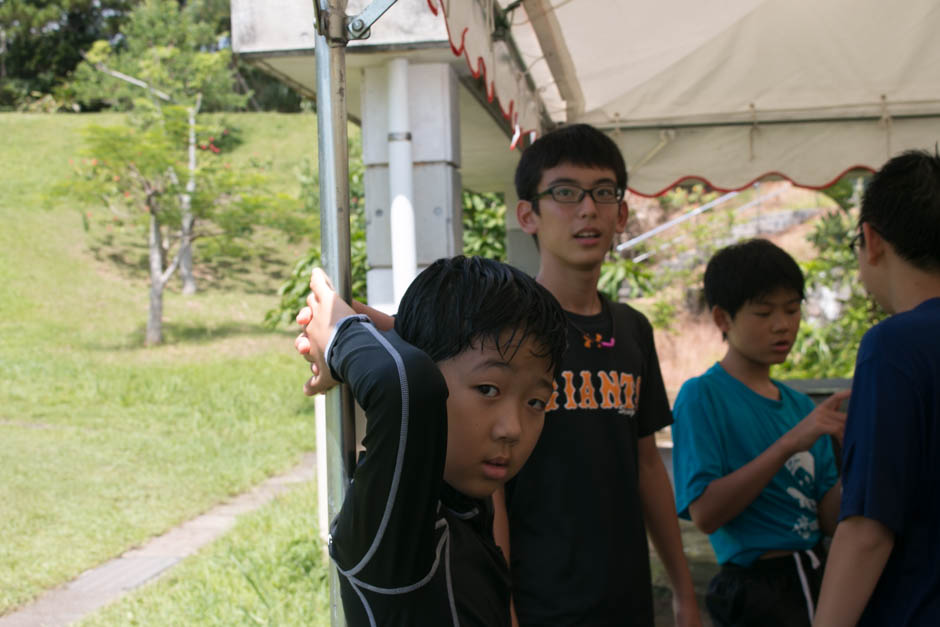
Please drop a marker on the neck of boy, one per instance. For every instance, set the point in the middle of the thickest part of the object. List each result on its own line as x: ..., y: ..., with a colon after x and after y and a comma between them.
x: 754, y: 375
x: 574, y: 289
x: 908, y: 287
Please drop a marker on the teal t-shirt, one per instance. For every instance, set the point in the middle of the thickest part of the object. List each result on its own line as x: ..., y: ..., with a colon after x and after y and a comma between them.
x: 721, y: 425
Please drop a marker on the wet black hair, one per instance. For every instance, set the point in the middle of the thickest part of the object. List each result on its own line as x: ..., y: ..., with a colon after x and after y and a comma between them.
x: 578, y: 144
x: 748, y: 271
x: 461, y: 302
x: 902, y: 203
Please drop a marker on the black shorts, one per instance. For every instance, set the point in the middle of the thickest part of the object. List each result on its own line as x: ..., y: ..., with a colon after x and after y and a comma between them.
x: 776, y: 592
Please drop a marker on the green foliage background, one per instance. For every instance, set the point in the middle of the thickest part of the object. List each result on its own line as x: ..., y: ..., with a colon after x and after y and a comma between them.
x: 827, y: 350
x: 484, y: 234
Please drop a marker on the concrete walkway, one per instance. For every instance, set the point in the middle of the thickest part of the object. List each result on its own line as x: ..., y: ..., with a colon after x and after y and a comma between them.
x: 105, y: 584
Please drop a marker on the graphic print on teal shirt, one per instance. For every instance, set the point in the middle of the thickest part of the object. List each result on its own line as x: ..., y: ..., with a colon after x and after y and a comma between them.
x: 721, y: 425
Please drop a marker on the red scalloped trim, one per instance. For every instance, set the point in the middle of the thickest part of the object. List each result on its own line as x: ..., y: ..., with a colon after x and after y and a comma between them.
x: 692, y: 177
x: 509, y: 113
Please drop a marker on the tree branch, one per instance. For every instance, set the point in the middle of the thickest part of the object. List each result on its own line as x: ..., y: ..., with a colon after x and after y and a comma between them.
x: 165, y: 277
x: 101, y: 67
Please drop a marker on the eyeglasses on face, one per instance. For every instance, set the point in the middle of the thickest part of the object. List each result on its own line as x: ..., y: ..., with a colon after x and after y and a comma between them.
x: 858, y: 238
x: 568, y: 194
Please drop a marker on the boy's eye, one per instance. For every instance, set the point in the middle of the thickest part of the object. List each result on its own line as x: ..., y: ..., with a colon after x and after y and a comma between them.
x: 538, y: 404
x: 488, y: 390
x: 607, y: 194
x: 563, y: 192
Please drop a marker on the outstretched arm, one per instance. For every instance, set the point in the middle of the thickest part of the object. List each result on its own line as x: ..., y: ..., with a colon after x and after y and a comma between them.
x: 659, y: 512
x: 730, y: 495
x: 384, y: 533
x: 859, y: 552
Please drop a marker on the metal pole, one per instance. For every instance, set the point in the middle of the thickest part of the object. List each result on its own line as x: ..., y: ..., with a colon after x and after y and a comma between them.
x: 330, y: 51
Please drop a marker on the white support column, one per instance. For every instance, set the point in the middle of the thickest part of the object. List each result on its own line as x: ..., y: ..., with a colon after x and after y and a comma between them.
x: 400, y: 189
x: 433, y: 118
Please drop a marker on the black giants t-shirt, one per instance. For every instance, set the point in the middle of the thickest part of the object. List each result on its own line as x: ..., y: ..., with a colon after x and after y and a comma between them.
x: 578, y: 543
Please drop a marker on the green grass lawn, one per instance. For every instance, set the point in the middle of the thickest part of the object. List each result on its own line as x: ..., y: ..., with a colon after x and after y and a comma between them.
x: 104, y: 443
x: 267, y: 571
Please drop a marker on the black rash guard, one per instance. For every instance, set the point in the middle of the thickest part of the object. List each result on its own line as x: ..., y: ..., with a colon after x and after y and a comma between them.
x: 410, y: 549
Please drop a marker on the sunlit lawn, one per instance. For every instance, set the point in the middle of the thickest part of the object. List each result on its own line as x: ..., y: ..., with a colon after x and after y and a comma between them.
x: 104, y: 443
x: 267, y: 571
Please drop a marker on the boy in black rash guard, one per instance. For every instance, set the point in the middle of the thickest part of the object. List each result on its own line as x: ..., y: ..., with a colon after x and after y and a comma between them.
x: 455, y: 399
x: 579, y: 512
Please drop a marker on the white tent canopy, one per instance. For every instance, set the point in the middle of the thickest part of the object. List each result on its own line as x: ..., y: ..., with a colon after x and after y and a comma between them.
x: 724, y: 92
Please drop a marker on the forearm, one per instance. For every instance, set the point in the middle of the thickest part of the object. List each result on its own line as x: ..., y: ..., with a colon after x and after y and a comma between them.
x: 828, y: 510
x: 397, y: 482
x: 659, y: 513
x: 730, y: 495
x: 859, y: 552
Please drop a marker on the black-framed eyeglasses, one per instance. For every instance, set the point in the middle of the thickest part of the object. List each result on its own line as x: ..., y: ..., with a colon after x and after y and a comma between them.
x: 857, y: 239
x: 568, y: 194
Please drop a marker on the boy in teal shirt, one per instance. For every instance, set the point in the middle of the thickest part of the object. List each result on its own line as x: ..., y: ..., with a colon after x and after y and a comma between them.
x: 751, y: 468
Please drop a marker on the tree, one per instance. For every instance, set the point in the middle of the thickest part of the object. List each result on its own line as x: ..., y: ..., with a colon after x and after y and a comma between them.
x: 167, y: 54
x: 41, y: 41
x: 130, y: 175
x: 168, y: 48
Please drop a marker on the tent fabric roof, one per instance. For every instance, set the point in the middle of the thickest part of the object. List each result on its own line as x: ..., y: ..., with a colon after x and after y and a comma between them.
x: 798, y: 89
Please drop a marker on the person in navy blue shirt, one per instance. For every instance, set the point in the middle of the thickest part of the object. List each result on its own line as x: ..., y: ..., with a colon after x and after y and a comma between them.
x: 751, y: 467
x: 884, y: 564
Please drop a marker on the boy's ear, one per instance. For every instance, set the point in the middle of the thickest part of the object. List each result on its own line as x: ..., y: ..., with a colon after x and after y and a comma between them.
x: 528, y: 219
x: 875, y: 245
x: 624, y: 213
x: 721, y: 318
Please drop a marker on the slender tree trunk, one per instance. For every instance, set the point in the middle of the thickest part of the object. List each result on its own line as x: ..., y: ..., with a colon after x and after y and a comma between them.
x: 244, y: 85
x: 186, y: 239
x: 3, y: 53
x: 155, y: 318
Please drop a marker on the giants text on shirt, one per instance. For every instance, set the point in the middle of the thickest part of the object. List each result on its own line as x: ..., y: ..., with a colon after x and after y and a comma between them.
x: 602, y: 389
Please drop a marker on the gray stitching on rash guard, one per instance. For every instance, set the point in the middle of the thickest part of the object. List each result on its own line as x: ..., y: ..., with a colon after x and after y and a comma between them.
x: 464, y: 515
x: 365, y: 604
x: 402, y: 438
x: 450, y: 588
x: 442, y: 543
x: 339, y: 326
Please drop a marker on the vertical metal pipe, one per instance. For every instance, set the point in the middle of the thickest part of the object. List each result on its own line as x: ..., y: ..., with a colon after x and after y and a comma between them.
x: 330, y: 51
x: 400, y: 185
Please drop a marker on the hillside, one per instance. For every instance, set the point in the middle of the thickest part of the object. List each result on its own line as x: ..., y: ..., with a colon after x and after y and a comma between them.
x: 690, y: 343
x: 106, y: 443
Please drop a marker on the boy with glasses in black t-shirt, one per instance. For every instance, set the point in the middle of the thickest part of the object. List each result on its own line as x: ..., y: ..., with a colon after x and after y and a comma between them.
x: 579, y: 511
